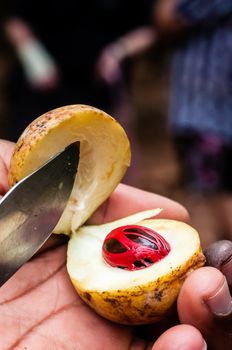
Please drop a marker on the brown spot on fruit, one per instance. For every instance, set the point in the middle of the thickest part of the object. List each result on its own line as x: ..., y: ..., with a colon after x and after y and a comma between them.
x: 87, y: 296
x: 158, y: 296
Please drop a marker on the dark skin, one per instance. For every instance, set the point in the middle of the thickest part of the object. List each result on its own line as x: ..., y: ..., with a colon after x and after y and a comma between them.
x: 39, y: 308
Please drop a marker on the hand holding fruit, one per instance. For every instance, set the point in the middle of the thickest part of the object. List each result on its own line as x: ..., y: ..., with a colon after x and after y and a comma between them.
x: 113, y: 290
x: 115, y: 208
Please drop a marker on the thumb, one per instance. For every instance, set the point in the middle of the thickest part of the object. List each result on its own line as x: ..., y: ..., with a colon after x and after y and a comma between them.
x: 205, y: 302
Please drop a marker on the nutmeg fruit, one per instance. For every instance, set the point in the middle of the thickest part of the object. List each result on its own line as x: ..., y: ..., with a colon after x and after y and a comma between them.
x: 129, y: 271
x: 140, y: 295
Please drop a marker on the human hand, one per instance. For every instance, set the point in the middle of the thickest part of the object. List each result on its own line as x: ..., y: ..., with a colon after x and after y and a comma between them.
x: 39, y: 308
x: 109, y: 63
x: 205, y: 301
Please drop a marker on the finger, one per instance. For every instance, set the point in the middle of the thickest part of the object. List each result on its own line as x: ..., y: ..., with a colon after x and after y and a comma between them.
x: 127, y: 200
x: 6, y: 150
x: 204, y: 294
x: 180, y: 337
x: 205, y: 298
x: 219, y: 255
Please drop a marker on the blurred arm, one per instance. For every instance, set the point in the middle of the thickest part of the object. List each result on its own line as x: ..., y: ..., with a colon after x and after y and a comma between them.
x: 39, y: 66
x: 108, y: 66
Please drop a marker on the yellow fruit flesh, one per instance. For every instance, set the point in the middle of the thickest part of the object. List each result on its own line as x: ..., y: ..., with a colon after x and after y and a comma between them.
x: 144, y: 304
x: 104, y: 156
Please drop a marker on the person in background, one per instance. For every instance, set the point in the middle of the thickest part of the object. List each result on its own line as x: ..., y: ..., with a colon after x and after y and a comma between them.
x: 113, y: 70
x: 201, y: 97
x: 55, y: 47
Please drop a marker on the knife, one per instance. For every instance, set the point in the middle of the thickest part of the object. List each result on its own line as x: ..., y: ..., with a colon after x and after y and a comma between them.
x: 32, y: 208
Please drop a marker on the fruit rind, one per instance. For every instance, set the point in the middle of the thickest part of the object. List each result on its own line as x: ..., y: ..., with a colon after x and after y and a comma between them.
x: 141, y: 305
x: 104, y: 156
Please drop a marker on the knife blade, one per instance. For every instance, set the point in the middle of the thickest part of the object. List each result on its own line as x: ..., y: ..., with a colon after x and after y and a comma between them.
x: 32, y: 208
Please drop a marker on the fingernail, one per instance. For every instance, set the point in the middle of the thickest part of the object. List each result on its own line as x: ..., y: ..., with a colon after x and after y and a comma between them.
x: 220, y: 303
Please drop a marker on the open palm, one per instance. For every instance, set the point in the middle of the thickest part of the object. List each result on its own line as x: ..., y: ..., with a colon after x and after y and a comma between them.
x: 39, y: 309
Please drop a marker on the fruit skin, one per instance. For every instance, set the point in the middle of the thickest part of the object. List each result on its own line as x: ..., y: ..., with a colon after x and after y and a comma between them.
x: 104, y: 156
x: 144, y: 304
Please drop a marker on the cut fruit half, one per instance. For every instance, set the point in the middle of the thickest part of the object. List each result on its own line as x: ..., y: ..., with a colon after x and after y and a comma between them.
x: 104, y: 156
x: 133, y: 297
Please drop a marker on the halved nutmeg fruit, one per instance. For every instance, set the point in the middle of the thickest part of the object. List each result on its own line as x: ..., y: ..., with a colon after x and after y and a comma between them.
x: 131, y: 270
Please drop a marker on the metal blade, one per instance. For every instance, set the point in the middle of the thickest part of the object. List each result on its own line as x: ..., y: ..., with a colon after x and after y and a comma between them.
x: 32, y: 208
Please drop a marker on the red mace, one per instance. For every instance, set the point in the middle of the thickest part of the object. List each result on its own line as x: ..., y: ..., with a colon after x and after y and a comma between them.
x: 134, y: 247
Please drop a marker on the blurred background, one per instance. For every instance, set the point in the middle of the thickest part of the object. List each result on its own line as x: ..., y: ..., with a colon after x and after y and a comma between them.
x: 161, y: 68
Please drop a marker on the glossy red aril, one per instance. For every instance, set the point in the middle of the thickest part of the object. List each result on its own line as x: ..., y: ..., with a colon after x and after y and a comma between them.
x: 134, y: 247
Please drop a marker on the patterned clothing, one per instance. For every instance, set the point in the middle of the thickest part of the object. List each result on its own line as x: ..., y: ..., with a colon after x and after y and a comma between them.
x: 201, y: 95
x: 201, y: 84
